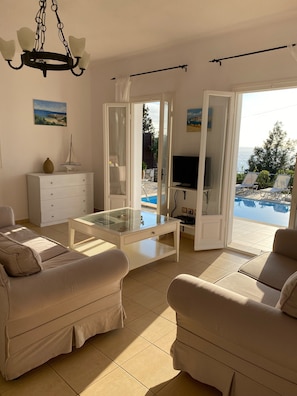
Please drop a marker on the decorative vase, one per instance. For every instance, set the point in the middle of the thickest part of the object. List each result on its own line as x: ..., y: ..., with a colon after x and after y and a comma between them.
x: 48, y: 166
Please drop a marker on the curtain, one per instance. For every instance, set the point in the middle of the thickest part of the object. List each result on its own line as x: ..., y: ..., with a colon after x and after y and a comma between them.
x: 122, y: 89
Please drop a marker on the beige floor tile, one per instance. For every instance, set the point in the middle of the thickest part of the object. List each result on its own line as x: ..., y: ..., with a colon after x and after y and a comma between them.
x: 131, y: 286
x: 40, y: 381
x: 152, y: 367
x: 148, y: 297
x: 120, y: 345
x: 183, y: 384
x: 153, y: 279
x: 82, y: 367
x: 166, y: 312
x: 117, y: 383
x: 151, y: 326
x: 166, y: 341
x: 133, y: 310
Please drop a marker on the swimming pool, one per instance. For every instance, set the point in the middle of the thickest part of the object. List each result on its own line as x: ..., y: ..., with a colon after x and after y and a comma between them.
x: 269, y: 212
x: 152, y: 199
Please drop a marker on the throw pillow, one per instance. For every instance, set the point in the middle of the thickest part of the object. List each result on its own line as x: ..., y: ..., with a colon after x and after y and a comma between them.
x: 288, y: 298
x: 17, y: 259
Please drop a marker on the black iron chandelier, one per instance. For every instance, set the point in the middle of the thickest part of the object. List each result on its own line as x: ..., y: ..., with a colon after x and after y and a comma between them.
x: 75, y: 58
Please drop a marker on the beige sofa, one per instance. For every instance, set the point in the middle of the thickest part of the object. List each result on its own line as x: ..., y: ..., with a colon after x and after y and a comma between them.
x: 51, y: 298
x: 240, y: 334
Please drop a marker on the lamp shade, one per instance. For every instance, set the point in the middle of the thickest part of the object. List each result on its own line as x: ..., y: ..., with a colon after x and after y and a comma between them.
x: 84, y: 61
x: 7, y: 49
x: 77, y: 46
x: 26, y: 38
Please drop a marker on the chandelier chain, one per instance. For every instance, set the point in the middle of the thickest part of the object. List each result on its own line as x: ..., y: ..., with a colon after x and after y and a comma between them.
x: 40, y: 20
x: 41, y: 27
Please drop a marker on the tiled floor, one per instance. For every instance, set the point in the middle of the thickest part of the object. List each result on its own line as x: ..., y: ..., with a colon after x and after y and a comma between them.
x: 251, y: 236
x: 136, y: 360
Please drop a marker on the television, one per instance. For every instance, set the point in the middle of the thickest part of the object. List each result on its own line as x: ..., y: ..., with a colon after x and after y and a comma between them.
x: 185, y: 171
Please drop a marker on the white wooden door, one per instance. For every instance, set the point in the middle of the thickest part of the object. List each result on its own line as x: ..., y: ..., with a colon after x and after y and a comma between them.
x: 213, y: 201
x: 164, y: 153
x: 116, y: 137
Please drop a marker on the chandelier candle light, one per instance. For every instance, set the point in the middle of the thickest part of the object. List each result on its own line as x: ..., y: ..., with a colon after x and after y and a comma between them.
x: 34, y: 54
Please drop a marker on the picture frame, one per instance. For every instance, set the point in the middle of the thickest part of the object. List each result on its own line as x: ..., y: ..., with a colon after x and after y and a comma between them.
x: 194, y: 119
x: 50, y: 113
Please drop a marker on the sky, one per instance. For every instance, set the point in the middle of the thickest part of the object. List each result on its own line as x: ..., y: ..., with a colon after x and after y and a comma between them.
x: 261, y: 110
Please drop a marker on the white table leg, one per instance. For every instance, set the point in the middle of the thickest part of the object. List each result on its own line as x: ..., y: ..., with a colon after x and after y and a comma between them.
x: 176, y: 240
x: 71, y: 235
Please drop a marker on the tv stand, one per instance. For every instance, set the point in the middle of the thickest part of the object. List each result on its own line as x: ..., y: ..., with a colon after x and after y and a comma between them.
x: 186, y: 185
x: 189, y: 220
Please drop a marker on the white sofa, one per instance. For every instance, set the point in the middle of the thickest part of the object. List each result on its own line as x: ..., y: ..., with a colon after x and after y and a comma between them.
x: 52, y: 298
x: 240, y: 334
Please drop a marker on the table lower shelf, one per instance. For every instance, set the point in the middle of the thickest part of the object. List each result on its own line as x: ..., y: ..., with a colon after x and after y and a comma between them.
x: 139, y: 253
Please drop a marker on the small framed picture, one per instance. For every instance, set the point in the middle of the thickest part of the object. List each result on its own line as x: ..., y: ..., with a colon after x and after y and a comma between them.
x: 194, y: 120
x: 49, y: 113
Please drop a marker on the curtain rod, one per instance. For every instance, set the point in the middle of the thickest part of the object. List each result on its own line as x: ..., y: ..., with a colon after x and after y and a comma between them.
x: 157, y: 71
x: 219, y: 60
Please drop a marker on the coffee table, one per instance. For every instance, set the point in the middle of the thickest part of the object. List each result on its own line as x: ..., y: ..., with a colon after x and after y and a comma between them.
x: 136, y: 232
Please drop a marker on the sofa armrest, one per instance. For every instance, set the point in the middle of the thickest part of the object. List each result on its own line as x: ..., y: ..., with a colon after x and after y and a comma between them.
x: 55, y: 285
x: 244, y: 327
x: 285, y: 242
x: 6, y: 216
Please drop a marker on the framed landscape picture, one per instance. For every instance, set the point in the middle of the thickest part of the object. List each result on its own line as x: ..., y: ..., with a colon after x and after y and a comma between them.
x: 194, y: 120
x: 49, y: 113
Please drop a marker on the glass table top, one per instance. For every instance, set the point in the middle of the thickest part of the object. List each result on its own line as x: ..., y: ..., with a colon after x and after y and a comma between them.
x: 126, y: 219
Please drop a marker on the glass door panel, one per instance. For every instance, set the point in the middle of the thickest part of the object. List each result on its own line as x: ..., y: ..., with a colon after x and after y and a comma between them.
x: 116, y: 149
x: 215, y: 153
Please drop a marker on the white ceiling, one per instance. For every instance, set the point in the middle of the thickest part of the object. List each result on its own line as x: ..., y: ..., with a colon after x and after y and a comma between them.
x: 120, y: 28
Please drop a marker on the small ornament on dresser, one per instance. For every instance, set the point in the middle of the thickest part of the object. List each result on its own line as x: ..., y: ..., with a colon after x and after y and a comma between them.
x: 48, y: 166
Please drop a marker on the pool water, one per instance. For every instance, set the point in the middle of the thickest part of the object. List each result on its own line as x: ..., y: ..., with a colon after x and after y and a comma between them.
x: 274, y: 213
x: 269, y: 212
x: 152, y: 199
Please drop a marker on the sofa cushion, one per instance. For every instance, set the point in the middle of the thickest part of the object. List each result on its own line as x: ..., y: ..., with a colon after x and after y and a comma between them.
x: 272, y: 269
x: 250, y: 288
x: 288, y: 298
x: 17, y: 259
x: 47, y: 248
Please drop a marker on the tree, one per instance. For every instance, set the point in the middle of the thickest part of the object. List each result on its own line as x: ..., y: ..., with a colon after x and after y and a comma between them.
x: 277, y: 153
x: 149, y: 139
x: 147, y: 122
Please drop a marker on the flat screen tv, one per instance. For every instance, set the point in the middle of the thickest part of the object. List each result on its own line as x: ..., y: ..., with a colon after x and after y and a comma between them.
x: 185, y: 171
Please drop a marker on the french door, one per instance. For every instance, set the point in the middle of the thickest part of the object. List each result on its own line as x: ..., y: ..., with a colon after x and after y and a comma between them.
x: 122, y: 148
x: 213, y: 211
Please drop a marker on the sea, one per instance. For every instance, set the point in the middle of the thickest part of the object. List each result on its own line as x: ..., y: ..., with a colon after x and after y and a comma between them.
x: 244, y: 154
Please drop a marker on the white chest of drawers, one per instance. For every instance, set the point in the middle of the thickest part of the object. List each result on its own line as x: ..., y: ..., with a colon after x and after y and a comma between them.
x: 53, y: 198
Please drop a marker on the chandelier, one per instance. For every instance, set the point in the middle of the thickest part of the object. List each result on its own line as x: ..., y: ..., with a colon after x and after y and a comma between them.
x: 75, y: 58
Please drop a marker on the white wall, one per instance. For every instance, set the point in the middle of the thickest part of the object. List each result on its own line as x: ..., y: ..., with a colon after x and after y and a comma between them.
x: 188, y: 87
x: 25, y: 146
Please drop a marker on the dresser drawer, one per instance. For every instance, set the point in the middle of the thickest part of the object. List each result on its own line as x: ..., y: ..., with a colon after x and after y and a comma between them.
x: 64, y: 192
x: 58, y: 210
x: 65, y: 180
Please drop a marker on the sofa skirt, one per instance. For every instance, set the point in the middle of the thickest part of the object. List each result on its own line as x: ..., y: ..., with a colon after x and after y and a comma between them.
x: 51, y: 339
x: 231, y: 375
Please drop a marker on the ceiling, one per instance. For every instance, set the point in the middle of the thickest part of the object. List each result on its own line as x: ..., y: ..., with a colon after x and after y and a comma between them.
x: 120, y: 28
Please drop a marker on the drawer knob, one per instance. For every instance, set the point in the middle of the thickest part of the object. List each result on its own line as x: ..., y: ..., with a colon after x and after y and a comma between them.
x: 153, y: 232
